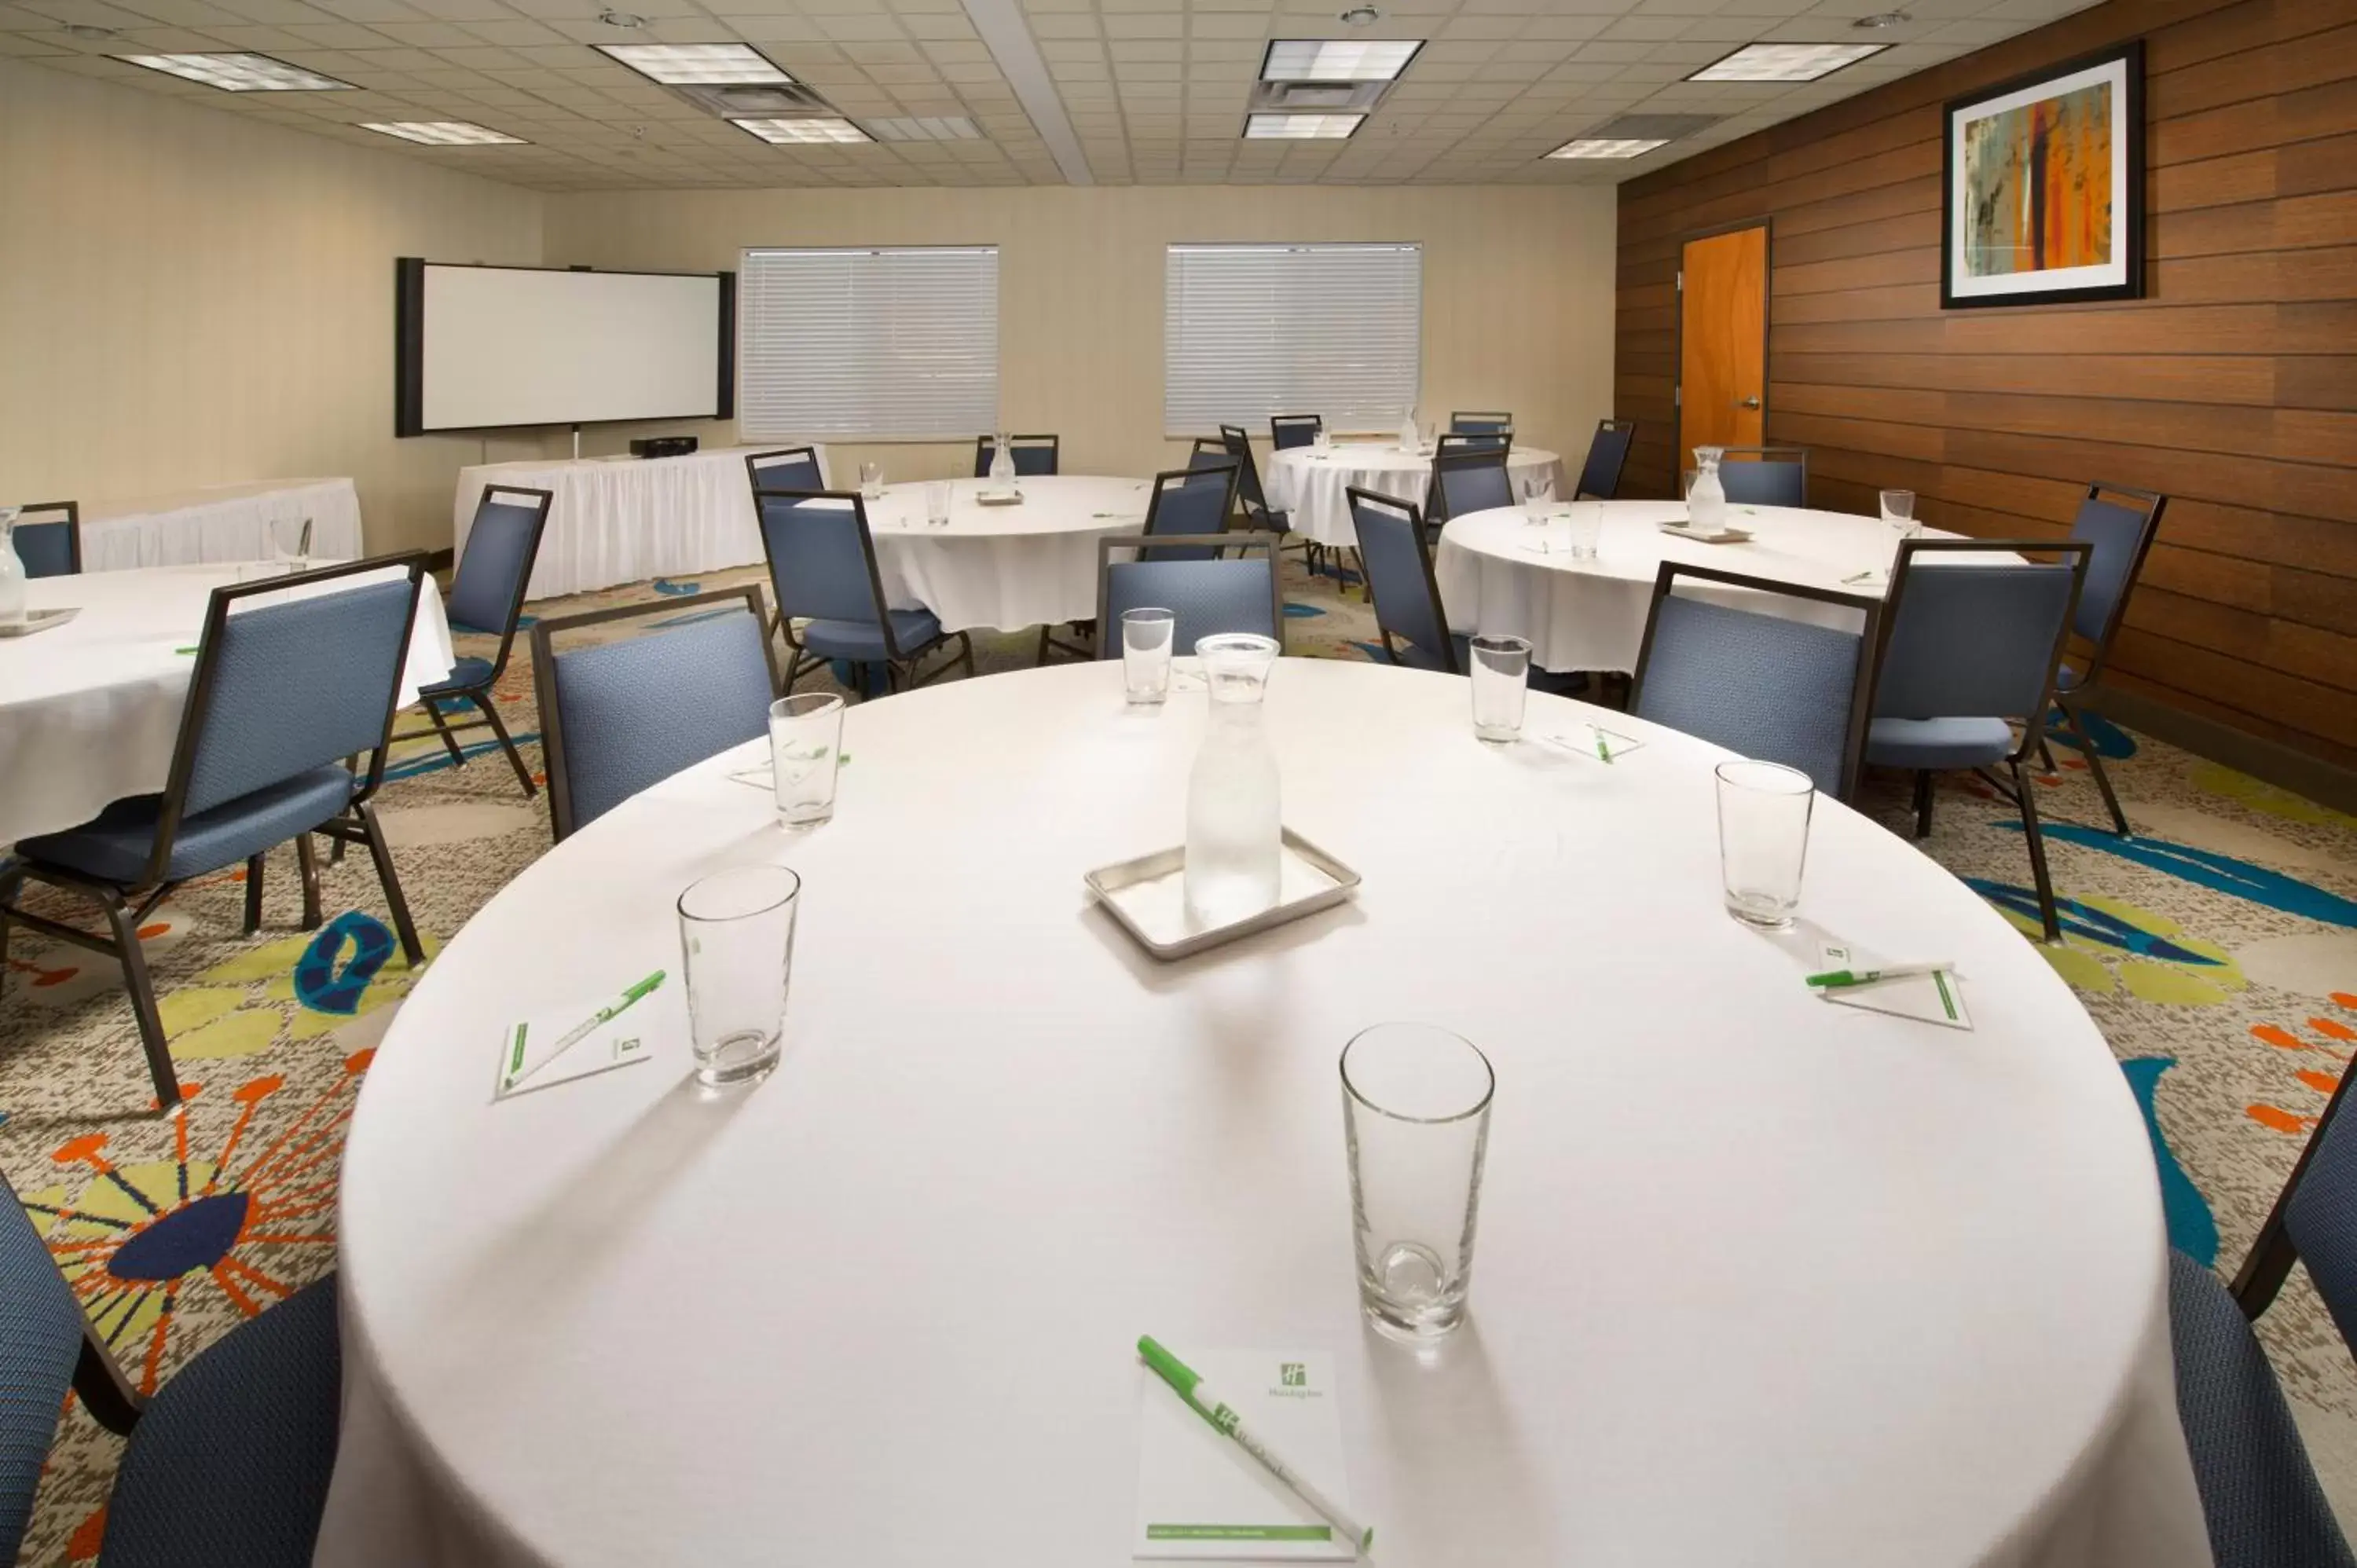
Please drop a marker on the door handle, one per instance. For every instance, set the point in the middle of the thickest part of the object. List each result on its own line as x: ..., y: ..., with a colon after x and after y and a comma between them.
x: 1747, y: 402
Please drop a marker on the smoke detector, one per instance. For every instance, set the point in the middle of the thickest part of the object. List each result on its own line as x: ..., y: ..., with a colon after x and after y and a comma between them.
x: 1360, y: 16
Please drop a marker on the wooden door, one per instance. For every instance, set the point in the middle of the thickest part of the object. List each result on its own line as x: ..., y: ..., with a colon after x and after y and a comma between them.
x: 1722, y: 341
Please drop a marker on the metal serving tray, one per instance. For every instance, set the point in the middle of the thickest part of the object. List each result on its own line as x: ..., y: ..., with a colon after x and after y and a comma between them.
x: 1147, y: 897
x: 41, y: 620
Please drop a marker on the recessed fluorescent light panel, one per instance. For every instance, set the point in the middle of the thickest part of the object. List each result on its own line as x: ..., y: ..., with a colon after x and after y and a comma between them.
x: 784, y: 132
x: 1596, y: 148
x: 446, y: 134
x: 699, y: 65
x: 239, y: 72
x: 1337, y: 59
x: 945, y: 128
x: 1785, y: 62
x: 1301, y: 127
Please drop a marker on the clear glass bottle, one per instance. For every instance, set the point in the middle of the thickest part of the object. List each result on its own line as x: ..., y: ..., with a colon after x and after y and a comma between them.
x: 1002, y: 462
x: 1233, y: 825
x: 12, y: 571
x: 1411, y: 438
x: 1707, y: 500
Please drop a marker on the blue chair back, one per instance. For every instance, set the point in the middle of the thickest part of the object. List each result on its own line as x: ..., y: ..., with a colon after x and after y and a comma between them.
x: 821, y: 557
x: 2122, y: 536
x: 1763, y: 685
x: 1207, y: 454
x: 1249, y: 495
x: 1608, y: 454
x: 1193, y: 501
x: 2321, y: 1219
x: 1465, y: 481
x: 1766, y: 476
x: 618, y: 717
x: 1452, y: 442
x: 1034, y: 455
x: 40, y: 1339
x: 788, y: 468
x: 1207, y: 593
x: 50, y: 546
x: 1295, y: 429
x: 496, y: 571
x: 1400, y: 575
x: 1975, y: 640
x: 1480, y: 423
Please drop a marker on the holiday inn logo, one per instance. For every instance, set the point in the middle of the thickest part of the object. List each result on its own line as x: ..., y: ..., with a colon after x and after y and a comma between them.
x: 1293, y: 1374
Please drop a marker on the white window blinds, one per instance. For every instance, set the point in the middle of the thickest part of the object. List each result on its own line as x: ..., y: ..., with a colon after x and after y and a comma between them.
x: 1252, y: 330
x: 893, y: 343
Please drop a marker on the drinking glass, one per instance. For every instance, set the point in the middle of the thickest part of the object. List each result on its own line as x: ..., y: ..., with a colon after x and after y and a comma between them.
x: 871, y: 480
x: 1536, y: 491
x: 1146, y: 636
x: 1415, y: 1112
x: 737, y: 940
x: 1899, y: 510
x: 1500, y: 672
x: 1763, y: 840
x: 1586, y: 526
x: 805, y: 750
x: 937, y: 504
x: 1321, y: 441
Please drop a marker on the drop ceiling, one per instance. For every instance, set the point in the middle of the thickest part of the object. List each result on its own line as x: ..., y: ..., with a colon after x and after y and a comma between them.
x: 1062, y: 91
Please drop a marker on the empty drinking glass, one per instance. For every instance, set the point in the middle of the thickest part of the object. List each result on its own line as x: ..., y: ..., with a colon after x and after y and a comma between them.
x: 1586, y: 525
x: 1415, y: 1112
x: 1146, y: 637
x: 737, y: 938
x: 805, y: 750
x: 871, y: 480
x: 937, y: 504
x: 1501, y: 673
x: 1763, y: 839
x: 1537, y: 490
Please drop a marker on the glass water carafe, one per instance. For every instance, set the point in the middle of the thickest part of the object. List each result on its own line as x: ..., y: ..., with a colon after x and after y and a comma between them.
x: 1001, y: 461
x: 12, y: 571
x: 1411, y: 437
x: 1707, y: 501
x: 1232, y: 826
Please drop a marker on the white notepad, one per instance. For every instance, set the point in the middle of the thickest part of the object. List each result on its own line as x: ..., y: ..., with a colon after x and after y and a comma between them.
x: 619, y: 1041
x: 1928, y: 998
x: 1200, y: 1496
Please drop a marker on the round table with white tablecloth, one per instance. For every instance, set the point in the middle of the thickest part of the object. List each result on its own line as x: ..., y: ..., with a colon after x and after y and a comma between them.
x: 1003, y: 567
x: 1309, y: 483
x: 90, y: 711
x: 1761, y: 1279
x: 251, y: 521
x: 1501, y: 573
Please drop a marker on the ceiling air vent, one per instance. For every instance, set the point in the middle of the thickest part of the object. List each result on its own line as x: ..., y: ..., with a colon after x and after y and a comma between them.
x: 789, y: 101
x: 1317, y: 97
x: 1652, y: 127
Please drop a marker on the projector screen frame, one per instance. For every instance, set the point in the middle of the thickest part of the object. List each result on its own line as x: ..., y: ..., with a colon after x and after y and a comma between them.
x: 409, y: 348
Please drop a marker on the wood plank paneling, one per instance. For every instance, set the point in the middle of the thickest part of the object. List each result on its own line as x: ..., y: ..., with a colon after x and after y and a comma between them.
x: 2230, y: 387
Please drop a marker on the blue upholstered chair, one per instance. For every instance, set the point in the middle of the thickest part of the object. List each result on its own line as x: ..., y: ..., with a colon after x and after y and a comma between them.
x: 1285, y: 430
x: 229, y: 1463
x: 2259, y: 1493
x: 1400, y: 584
x: 1466, y: 481
x: 1969, y: 651
x: 48, y: 539
x: 1463, y: 424
x: 1195, y: 501
x: 787, y: 468
x: 616, y: 717
x: 1034, y: 455
x: 822, y: 570
x: 1763, y: 684
x: 2122, y: 532
x: 1207, y: 591
x: 1765, y: 476
x: 282, y: 693
x: 488, y: 597
x: 1608, y: 454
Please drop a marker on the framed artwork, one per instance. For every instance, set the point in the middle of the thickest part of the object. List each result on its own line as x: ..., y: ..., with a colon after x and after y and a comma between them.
x: 2044, y: 198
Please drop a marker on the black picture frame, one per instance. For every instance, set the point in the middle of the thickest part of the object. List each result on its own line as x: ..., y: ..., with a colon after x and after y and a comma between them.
x: 2126, y: 62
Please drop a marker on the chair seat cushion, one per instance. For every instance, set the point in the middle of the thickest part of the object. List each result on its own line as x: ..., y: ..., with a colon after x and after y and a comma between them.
x: 865, y: 639
x: 1938, y: 743
x: 231, y: 1462
x: 115, y: 846
x: 2259, y: 1492
x: 467, y: 674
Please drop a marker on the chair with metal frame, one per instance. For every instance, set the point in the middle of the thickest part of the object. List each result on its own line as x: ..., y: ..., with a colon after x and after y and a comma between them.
x: 1464, y: 423
x: 1969, y: 652
x: 1765, y: 476
x: 1289, y: 430
x: 2123, y: 537
x: 1195, y: 501
x: 822, y: 569
x: 1250, y: 496
x: 2260, y: 1497
x: 1400, y: 584
x: 1034, y: 455
x: 487, y: 598
x: 1467, y: 480
x: 228, y: 1462
x: 1608, y: 454
x: 50, y: 546
x: 1208, y: 592
x: 787, y: 468
x: 618, y: 717
x: 1758, y: 683
x: 282, y: 696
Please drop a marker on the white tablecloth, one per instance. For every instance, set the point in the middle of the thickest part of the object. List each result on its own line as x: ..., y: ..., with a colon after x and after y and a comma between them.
x: 626, y: 520
x: 1501, y: 574
x: 90, y: 711
x: 1003, y: 567
x: 1309, y: 485
x: 1760, y: 1281
x: 222, y: 522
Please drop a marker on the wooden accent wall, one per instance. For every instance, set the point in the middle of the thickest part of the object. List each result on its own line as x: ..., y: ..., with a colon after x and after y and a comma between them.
x: 2230, y: 387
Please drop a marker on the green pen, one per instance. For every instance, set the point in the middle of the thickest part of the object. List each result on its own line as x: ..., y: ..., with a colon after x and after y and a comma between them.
x: 1603, y: 752
x: 1834, y: 978
x: 1228, y: 1423
x: 184, y: 651
x: 517, y: 1073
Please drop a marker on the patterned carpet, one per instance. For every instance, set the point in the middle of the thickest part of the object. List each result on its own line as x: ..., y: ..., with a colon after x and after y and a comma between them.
x: 2217, y: 951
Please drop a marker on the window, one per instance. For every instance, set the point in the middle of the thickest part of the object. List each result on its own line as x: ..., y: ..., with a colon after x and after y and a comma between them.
x: 1252, y: 330
x: 889, y: 344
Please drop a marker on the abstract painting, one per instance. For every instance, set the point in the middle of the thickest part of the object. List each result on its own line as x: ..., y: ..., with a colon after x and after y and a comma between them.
x: 2045, y: 187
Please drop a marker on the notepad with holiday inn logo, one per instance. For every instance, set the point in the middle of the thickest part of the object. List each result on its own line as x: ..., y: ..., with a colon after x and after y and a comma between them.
x: 1200, y: 1496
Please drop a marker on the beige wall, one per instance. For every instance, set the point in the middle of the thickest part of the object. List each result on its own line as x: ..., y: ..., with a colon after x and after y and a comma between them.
x: 188, y: 298
x: 1518, y: 290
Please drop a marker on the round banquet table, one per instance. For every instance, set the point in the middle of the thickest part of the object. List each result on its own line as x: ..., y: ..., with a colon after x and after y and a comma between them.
x: 1500, y: 573
x: 1761, y: 1279
x: 1003, y: 567
x: 1309, y: 484
x: 90, y: 711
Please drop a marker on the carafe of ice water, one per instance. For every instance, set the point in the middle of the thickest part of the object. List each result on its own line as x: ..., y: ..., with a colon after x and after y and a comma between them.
x: 1232, y: 826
